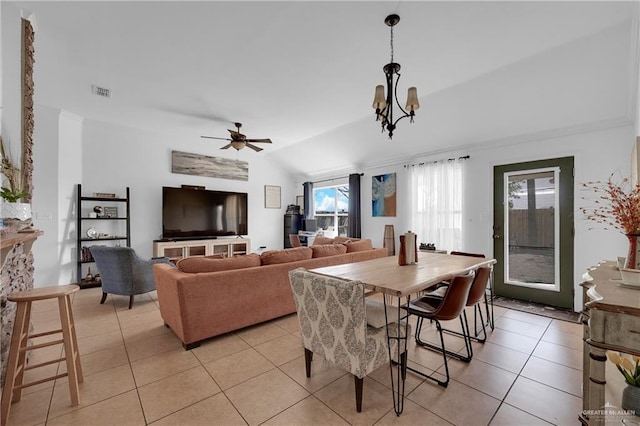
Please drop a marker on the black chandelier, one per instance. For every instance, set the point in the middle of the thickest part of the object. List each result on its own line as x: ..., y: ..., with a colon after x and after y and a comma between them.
x: 384, y: 106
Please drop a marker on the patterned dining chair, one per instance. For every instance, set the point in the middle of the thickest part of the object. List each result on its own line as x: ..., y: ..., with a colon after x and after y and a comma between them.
x: 333, y: 325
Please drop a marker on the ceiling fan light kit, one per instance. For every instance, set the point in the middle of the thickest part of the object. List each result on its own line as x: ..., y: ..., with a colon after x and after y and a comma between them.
x: 239, y: 141
x: 384, y: 104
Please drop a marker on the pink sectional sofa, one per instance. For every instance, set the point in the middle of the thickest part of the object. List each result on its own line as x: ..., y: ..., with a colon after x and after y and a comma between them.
x: 205, y: 297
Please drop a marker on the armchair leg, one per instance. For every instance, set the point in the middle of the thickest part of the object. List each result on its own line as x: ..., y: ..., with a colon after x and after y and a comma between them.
x: 359, y: 383
x: 130, y: 301
x: 104, y: 297
x: 308, y: 357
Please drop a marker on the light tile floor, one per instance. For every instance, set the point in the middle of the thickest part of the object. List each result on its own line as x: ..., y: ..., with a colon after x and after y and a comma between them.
x: 137, y: 373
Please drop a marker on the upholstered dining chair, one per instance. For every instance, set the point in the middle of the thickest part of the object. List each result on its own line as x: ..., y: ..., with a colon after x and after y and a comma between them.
x: 436, y: 309
x: 123, y: 272
x: 294, y: 239
x: 333, y: 325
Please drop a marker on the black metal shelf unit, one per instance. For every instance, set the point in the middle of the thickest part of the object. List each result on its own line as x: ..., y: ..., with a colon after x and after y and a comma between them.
x: 83, y: 253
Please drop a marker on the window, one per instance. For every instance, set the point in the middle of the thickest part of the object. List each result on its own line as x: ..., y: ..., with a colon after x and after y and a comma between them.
x: 436, y: 203
x: 331, y: 209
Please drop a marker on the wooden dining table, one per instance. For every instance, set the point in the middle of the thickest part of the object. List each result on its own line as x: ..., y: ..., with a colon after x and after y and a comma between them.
x: 384, y: 275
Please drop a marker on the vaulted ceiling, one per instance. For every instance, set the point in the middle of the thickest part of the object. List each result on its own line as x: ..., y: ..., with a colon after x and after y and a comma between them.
x: 302, y: 72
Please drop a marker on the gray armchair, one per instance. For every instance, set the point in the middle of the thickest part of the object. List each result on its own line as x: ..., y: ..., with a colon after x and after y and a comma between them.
x: 123, y: 272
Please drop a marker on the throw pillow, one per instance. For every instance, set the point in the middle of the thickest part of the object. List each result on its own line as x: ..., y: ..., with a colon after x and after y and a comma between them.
x: 196, y: 265
x: 361, y: 245
x: 272, y: 257
x: 321, y: 240
x: 328, y: 250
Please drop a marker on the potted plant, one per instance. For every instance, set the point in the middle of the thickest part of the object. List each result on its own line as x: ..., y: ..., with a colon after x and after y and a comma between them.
x: 617, y: 204
x: 15, y: 214
x: 631, y: 372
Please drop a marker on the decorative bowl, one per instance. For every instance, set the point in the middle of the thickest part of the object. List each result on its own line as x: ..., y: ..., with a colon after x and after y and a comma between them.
x: 630, y: 276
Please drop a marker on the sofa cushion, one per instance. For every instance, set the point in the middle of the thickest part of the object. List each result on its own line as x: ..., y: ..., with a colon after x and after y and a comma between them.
x: 325, y: 250
x: 360, y: 245
x: 321, y: 240
x: 210, y: 264
x: 271, y: 257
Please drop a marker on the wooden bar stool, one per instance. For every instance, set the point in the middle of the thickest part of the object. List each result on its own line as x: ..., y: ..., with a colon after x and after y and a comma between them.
x: 16, y: 365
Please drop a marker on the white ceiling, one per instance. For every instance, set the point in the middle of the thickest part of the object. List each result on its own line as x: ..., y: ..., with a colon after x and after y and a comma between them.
x: 304, y: 72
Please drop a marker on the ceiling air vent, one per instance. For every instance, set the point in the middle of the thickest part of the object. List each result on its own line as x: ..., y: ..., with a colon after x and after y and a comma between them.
x: 101, y: 91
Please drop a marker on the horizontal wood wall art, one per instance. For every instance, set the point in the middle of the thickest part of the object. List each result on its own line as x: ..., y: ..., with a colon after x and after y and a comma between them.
x: 202, y: 165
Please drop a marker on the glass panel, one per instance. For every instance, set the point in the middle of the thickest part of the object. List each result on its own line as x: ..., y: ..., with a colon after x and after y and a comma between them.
x: 342, y: 199
x: 331, y: 206
x: 325, y: 200
x: 173, y: 252
x: 196, y: 251
x: 531, y: 225
x: 239, y: 248
x: 221, y: 249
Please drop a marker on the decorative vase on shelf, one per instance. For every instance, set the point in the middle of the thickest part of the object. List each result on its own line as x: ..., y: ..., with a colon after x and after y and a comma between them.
x: 15, y: 216
x: 633, y: 257
x: 631, y: 399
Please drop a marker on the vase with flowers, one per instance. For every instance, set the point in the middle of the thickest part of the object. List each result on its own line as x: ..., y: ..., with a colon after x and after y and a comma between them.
x: 617, y: 205
x: 630, y: 369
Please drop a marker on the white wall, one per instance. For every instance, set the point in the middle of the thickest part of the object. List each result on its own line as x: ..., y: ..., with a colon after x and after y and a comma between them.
x: 57, y: 167
x: 114, y: 157
x: 45, y: 196
x: 597, y: 155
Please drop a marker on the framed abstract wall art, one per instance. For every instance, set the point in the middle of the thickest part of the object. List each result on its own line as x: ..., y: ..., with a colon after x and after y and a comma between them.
x: 383, y: 195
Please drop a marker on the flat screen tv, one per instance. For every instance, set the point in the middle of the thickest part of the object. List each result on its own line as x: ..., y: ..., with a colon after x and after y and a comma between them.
x: 189, y: 213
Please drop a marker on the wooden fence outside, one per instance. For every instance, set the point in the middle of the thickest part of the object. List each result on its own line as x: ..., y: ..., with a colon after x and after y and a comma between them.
x: 542, y: 236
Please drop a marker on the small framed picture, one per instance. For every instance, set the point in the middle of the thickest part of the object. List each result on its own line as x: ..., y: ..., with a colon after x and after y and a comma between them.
x: 271, y: 197
x: 300, y: 202
x: 110, y: 212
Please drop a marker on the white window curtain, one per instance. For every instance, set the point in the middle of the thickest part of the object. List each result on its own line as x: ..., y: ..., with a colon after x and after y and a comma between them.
x: 437, y: 202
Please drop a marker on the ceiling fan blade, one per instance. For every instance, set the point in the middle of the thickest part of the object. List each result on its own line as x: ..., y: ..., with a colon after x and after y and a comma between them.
x: 226, y: 146
x: 213, y: 137
x: 259, y: 140
x: 253, y: 147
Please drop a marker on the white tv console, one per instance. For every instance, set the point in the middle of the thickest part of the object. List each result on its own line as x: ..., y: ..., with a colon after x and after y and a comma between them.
x: 176, y: 250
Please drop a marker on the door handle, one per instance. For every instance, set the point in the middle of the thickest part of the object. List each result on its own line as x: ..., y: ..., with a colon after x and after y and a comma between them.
x: 497, y: 237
